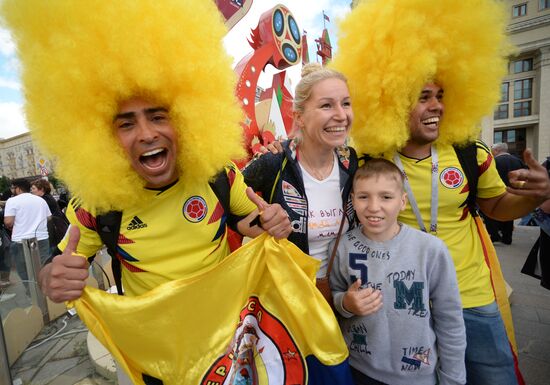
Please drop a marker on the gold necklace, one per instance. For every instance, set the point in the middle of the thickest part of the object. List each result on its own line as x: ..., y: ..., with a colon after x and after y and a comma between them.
x: 321, y: 174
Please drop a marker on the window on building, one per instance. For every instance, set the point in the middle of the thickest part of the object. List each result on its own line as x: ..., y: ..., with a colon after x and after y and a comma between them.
x: 501, y: 112
x: 515, y: 138
x: 504, y: 88
x: 523, y: 89
x: 523, y: 65
x: 522, y: 109
x: 544, y: 4
x: 519, y: 10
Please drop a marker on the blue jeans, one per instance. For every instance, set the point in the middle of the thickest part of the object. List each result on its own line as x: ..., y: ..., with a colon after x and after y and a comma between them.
x: 489, y: 357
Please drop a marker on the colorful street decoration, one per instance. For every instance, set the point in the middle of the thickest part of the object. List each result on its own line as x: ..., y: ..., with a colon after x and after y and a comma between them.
x: 277, y: 41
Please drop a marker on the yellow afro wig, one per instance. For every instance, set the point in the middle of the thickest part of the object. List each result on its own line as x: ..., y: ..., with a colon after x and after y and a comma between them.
x: 80, y: 59
x: 389, y: 49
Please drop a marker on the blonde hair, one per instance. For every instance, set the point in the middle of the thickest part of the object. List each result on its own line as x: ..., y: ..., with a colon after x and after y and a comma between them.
x: 312, y: 73
x: 91, y: 55
x: 389, y: 49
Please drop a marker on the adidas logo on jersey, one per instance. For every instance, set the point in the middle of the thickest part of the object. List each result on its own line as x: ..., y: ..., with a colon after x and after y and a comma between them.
x: 135, y: 224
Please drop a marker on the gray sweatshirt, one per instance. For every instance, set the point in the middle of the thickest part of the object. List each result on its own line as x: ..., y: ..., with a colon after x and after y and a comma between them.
x: 419, y: 332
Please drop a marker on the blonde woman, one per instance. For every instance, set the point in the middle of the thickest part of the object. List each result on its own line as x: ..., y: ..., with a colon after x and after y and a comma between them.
x: 311, y: 177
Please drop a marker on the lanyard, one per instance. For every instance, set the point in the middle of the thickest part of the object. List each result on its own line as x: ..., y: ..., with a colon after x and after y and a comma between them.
x: 434, y: 194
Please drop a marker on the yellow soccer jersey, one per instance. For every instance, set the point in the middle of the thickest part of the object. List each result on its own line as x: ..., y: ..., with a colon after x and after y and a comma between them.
x: 456, y: 227
x: 179, y: 233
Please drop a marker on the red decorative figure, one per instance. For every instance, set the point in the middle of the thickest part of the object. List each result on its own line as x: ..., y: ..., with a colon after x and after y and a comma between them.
x: 276, y: 41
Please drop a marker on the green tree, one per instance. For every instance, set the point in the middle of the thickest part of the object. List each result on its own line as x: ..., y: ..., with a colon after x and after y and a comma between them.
x: 4, y: 183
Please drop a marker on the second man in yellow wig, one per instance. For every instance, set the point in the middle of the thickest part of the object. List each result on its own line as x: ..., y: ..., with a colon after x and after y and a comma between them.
x: 422, y: 74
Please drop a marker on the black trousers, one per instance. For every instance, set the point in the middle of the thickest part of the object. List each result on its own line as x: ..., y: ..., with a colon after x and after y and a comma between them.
x: 538, y: 261
x: 499, y: 231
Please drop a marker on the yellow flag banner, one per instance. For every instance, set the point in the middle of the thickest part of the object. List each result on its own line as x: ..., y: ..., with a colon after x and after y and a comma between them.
x: 499, y: 288
x: 255, y: 318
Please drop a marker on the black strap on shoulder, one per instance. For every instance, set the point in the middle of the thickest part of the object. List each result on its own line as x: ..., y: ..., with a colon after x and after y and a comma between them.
x: 108, y: 228
x: 220, y: 186
x: 467, y: 156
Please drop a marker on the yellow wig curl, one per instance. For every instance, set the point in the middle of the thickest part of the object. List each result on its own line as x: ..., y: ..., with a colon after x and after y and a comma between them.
x: 389, y: 49
x: 80, y: 59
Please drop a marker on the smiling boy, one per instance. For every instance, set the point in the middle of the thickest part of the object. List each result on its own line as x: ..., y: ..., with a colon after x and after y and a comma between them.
x: 417, y: 334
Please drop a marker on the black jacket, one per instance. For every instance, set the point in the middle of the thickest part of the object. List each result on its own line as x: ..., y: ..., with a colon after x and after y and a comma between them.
x: 506, y: 163
x: 262, y: 176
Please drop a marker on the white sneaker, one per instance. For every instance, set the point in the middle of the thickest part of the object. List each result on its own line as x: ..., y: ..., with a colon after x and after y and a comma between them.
x: 4, y: 284
x: 6, y: 297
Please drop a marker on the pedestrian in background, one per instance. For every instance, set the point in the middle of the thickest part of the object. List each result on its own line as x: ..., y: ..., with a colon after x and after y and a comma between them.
x: 26, y: 215
x: 501, y: 231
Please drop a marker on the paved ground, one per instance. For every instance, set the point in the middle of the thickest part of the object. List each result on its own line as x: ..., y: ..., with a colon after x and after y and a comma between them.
x: 530, y: 308
x: 62, y: 360
x: 65, y: 360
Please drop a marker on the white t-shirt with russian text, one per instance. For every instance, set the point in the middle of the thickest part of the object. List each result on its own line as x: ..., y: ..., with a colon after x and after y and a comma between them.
x: 324, y: 215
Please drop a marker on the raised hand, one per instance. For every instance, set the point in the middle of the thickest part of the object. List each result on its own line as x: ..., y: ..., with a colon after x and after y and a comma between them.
x: 362, y: 301
x: 65, y: 277
x: 532, y: 182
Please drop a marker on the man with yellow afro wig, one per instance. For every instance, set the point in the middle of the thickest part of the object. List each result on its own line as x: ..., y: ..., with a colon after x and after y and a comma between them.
x: 422, y: 74
x: 135, y: 101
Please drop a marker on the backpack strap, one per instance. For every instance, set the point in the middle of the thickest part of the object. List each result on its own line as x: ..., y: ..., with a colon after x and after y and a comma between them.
x: 467, y: 156
x: 108, y: 228
x: 221, y: 186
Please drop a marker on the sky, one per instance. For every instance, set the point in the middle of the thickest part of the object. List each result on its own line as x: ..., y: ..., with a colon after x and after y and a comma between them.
x: 307, y: 13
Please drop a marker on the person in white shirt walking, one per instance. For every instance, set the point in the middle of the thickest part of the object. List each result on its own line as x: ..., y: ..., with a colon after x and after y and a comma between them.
x: 27, y: 216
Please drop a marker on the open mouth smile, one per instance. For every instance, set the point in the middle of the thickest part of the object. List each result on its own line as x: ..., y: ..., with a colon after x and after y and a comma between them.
x: 374, y: 219
x: 432, y: 122
x: 335, y: 129
x: 154, y: 159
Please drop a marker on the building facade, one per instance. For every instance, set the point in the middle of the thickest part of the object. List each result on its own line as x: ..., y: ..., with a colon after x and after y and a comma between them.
x: 522, y: 117
x: 19, y: 157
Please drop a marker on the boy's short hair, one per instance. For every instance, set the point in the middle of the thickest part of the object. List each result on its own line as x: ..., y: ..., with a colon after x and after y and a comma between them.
x: 379, y: 166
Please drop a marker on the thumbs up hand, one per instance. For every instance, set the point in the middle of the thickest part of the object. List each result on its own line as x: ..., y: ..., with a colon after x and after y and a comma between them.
x: 273, y: 218
x: 65, y: 277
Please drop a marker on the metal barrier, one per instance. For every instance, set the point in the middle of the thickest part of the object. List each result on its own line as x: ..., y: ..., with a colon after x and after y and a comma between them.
x: 22, y: 317
x: 33, y: 265
x: 5, y: 375
x: 24, y: 310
